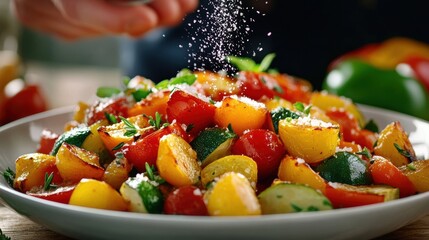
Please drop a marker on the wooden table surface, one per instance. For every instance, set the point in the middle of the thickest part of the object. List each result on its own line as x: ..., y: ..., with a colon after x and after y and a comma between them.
x: 20, y: 228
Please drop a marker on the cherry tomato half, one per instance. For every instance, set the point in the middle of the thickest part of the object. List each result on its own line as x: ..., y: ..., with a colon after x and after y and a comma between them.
x: 187, y: 200
x: 264, y: 147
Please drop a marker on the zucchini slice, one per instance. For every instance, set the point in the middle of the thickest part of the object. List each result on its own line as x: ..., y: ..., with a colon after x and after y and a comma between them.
x: 212, y: 144
x: 284, y: 197
x: 144, y: 195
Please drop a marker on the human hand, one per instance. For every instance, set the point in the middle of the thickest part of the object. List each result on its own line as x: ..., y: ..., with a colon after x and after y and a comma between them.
x: 74, y: 19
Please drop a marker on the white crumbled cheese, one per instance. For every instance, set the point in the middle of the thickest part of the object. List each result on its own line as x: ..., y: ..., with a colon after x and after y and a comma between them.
x: 300, y: 161
x: 197, y: 192
x: 249, y: 101
x: 312, y: 122
x: 345, y: 149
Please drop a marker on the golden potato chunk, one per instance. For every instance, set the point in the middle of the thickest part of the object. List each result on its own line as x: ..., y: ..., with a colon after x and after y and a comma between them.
x: 310, y: 139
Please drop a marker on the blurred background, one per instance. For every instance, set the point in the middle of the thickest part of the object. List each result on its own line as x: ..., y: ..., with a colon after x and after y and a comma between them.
x: 306, y: 35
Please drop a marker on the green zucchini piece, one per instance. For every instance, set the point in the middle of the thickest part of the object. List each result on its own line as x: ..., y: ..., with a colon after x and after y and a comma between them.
x: 281, y: 113
x: 345, y: 167
x: 75, y: 136
x: 143, y: 194
x: 287, y: 197
x: 212, y: 144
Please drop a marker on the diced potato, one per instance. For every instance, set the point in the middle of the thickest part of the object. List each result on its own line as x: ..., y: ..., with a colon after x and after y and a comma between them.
x: 232, y: 163
x: 274, y: 103
x: 31, y: 169
x: 310, y: 139
x: 296, y: 170
x: 177, y: 161
x: 97, y: 194
x: 114, y: 134
x: 155, y: 102
x: 216, y: 85
x: 117, y: 172
x: 232, y: 195
x: 394, y: 134
x: 94, y: 144
x: 80, y: 112
x: 326, y: 101
x: 75, y: 163
x: 418, y: 173
x: 241, y: 112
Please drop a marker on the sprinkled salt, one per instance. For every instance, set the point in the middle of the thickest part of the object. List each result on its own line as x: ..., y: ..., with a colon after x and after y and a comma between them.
x: 221, y: 29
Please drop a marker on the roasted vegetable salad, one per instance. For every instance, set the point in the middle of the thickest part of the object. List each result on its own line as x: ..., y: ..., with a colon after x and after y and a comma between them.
x: 208, y: 144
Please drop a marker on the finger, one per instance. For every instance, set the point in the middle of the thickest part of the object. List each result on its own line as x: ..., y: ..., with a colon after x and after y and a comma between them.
x: 45, y: 17
x: 169, y: 11
x: 109, y: 18
x: 188, y: 5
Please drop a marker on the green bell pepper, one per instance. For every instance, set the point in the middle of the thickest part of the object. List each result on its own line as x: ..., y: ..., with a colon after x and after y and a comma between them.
x: 385, y: 88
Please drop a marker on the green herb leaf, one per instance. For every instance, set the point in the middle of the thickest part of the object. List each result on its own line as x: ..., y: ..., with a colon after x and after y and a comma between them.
x: 163, y: 84
x: 296, y: 207
x: 9, y: 176
x: 371, y: 126
x: 404, y: 152
x: 130, y: 129
x: 140, y: 94
x: 302, y: 108
x: 157, y: 122
x: 243, y: 64
x: 110, y: 117
x: 106, y: 92
x: 184, y: 72
x: 47, y: 185
x: 266, y: 62
x: 126, y: 80
x: 3, y: 236
x: 186, y: 79
x: 149, y: 172
x: 411, y: 167
x: 365, y: 152
x: 119, y: 146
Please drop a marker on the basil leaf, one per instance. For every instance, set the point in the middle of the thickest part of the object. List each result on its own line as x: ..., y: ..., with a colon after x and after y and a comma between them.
x: 266, y: 62
x: 106, y: 92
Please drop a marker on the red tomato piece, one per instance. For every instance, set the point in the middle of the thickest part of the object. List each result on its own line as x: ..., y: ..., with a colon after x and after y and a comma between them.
x: 385, y: 172
x: 47, y: 141
x: 115, y: 106
x: 264, y: 147
x: 188, y: 109
x: 293, y: 89
x: 187, y: 200
x: 26, y: 102
x: 341, y: 197
x: 60, y: 195
x: 145, y: 149
x: 350, y: 129
x: 256, y: 85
